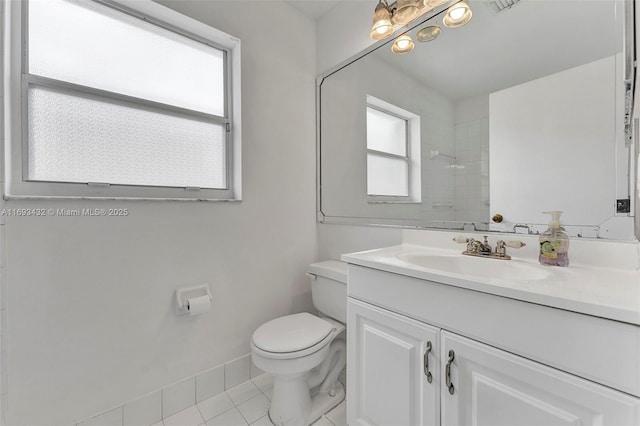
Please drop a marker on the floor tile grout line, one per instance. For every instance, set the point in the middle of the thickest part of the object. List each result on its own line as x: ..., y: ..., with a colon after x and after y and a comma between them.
x: 231, y: 408
x: 234, y: 405
x: 242, y: 415
x: 328, y: 419
x: 201, y: 415
x: 223, y: 411
x: 253, y: 397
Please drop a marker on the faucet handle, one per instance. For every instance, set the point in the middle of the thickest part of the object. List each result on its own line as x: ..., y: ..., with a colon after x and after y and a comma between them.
x: 514, y: 244
x: 460, y: 239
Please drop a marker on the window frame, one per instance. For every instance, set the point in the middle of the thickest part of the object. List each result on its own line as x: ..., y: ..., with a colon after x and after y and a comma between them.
x: 391, y: 155
x: 17, y: 81
x: 411, y: 157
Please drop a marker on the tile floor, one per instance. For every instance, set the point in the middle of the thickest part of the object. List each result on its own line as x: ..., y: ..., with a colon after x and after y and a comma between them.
x: 243, y: 405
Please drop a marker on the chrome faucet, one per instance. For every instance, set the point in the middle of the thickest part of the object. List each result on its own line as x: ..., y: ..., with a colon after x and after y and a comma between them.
x: 483, y: 248
x: 480, y: 247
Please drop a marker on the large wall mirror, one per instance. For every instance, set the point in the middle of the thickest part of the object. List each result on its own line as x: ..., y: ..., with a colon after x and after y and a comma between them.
x: 517, y: 112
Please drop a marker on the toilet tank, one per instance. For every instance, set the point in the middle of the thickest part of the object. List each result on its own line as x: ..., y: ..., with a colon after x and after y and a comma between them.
x: 329, y: 288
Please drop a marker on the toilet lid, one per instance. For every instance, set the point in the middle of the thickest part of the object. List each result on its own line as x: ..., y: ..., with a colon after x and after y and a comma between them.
x: 291, y: 333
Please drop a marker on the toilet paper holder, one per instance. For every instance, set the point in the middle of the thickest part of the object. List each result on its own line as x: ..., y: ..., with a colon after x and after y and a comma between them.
x: 184, y: 294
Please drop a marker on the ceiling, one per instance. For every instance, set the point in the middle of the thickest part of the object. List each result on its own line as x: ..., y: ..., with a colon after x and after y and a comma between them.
x: 314, y: 9
x: 533, y: 39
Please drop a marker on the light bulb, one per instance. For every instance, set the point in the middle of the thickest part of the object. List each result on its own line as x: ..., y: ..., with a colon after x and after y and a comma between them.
x: 457, y: 13
x: 381, y: 27
x: 403, y: 44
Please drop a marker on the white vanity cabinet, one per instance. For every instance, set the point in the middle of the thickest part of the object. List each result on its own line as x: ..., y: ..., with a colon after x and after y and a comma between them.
x: 394, y: 368
x: 511, y: 364
x: 494, y: 387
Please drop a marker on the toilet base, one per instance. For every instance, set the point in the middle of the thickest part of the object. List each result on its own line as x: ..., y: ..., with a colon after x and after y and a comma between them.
x: 321, y: 403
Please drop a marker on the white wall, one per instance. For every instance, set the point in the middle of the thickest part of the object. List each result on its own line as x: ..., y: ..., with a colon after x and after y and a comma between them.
x: 577, y: 132
x: 471, y: 109
x: 472, y: 171
x: 472, y: 159
x: 335, y: 240
x: 343, y: 32
x: 90, y: 311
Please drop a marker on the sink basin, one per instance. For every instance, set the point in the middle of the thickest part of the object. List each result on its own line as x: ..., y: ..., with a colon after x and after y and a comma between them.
x: 477, y: 267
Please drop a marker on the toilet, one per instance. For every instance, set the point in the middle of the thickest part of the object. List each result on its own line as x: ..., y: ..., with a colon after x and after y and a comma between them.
x: 305, y: 353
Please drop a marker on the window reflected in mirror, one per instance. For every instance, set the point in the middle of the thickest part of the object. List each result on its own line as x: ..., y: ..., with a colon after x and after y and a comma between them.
x: 391, y: 132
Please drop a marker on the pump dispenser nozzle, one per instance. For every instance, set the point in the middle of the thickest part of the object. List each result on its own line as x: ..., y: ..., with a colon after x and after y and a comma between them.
x: 555, y: 218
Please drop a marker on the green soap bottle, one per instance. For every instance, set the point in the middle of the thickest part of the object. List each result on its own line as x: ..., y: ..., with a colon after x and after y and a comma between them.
x: 554, y: 243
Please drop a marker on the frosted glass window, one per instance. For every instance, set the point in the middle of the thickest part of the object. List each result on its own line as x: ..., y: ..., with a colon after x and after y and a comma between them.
x: 80, y: 139
x: 386, y: 132
x: 126, y: 93
x: 387, y: 176
x: 89, y: 44
x: 387, y: 156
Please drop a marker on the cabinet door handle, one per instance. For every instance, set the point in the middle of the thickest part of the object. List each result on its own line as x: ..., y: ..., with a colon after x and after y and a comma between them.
x: 425, y: 359
x: 452, y: 356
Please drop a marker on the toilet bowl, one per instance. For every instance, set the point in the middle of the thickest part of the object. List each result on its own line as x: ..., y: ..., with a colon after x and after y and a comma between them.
x: 305, y: 353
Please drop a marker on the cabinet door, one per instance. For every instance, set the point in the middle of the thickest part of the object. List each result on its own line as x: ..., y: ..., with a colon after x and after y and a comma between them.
x: 493, y: 387
x: 387, y: 382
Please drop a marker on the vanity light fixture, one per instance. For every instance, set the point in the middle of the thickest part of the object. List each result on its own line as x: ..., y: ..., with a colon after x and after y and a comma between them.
x: 435, y: 3
x: 403, y: 44
x: 402, y: 12
x: 428, y: 33
x: 405, y: 12
x: 457, y: 15
x: 382, y: 26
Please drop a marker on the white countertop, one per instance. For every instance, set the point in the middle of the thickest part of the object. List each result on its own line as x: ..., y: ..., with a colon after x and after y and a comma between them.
x: 612, y: 293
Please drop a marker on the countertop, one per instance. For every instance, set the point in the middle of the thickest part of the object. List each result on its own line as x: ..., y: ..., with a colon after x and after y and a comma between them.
x: 598, y: 291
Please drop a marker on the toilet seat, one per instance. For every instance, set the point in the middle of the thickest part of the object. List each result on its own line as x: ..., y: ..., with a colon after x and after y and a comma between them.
x: 292, y: 336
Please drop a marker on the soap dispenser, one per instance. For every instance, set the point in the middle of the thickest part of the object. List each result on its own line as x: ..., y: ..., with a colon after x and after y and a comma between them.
x: 554, y: 243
